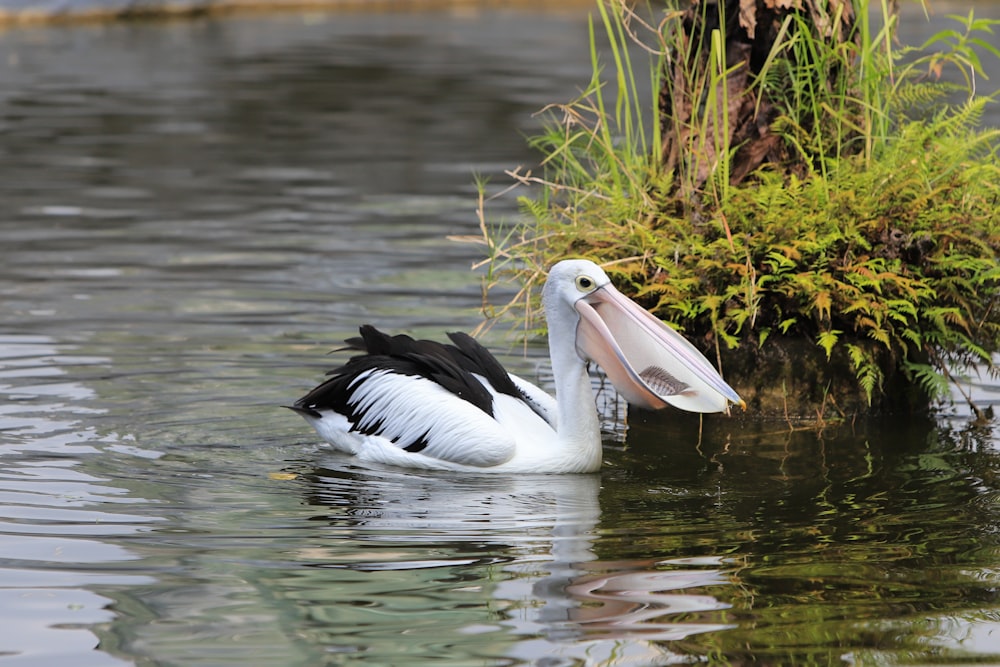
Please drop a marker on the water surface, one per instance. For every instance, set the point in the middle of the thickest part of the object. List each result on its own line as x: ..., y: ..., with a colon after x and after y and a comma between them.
x: 195, y: 213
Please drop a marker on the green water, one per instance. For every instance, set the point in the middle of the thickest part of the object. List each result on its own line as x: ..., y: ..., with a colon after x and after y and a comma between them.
x: 195, y: 213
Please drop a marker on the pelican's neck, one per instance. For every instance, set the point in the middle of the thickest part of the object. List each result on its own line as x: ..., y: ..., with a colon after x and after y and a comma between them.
x: 579, y: 430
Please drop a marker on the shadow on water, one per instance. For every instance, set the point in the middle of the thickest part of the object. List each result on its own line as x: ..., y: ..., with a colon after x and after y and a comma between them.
x: 858, y: 543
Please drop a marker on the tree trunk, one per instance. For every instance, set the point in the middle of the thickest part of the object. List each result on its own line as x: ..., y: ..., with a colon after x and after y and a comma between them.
x: 703, y: 115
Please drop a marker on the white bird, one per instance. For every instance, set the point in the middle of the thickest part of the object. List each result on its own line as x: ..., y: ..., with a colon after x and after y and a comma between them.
x: 423, y: 404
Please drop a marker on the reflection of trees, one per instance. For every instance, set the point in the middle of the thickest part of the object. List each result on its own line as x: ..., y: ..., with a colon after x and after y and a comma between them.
x: 864, y: 539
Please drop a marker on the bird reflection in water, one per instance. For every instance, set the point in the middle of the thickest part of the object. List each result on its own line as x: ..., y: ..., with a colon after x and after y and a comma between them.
x: 554, y: 600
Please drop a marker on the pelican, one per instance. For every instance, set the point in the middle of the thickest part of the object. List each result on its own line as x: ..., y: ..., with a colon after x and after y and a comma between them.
x: 429, y: 405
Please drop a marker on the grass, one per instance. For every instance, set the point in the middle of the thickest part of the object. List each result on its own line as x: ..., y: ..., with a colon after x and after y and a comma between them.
x: 874, y: 237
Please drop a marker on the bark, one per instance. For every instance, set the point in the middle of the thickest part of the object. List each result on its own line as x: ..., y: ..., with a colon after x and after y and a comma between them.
x: 692, y: 144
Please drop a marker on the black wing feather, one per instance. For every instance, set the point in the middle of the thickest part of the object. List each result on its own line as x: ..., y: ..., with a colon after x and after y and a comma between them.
x: 454, y: 367
x: 477, y: 359
x: 443, y: 364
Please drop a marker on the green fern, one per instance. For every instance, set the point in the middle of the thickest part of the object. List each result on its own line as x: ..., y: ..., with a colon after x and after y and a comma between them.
x: 931, y: 380
x: 883, y: 252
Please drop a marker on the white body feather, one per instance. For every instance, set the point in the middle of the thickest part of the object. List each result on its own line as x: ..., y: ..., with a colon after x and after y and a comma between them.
x: 461, y: 437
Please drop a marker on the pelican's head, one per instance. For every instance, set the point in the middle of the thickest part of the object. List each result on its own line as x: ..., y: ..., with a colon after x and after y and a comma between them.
x: 650, y: 364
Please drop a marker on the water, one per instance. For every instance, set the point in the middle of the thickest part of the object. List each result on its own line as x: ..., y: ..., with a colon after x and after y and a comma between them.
x: 194, y: 213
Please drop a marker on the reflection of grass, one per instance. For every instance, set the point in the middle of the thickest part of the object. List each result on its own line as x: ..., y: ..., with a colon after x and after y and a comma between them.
x: 870, y: 540
x: 876, y: 238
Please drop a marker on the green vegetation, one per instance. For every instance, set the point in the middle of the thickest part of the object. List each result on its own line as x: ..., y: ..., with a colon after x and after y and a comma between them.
x: 868, y: 225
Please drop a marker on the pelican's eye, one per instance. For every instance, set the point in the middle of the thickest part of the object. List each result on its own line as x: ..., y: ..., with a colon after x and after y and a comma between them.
x: 585, y: 284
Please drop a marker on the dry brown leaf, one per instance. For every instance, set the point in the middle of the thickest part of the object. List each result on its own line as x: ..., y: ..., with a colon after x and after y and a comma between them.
x: 748, y: 16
